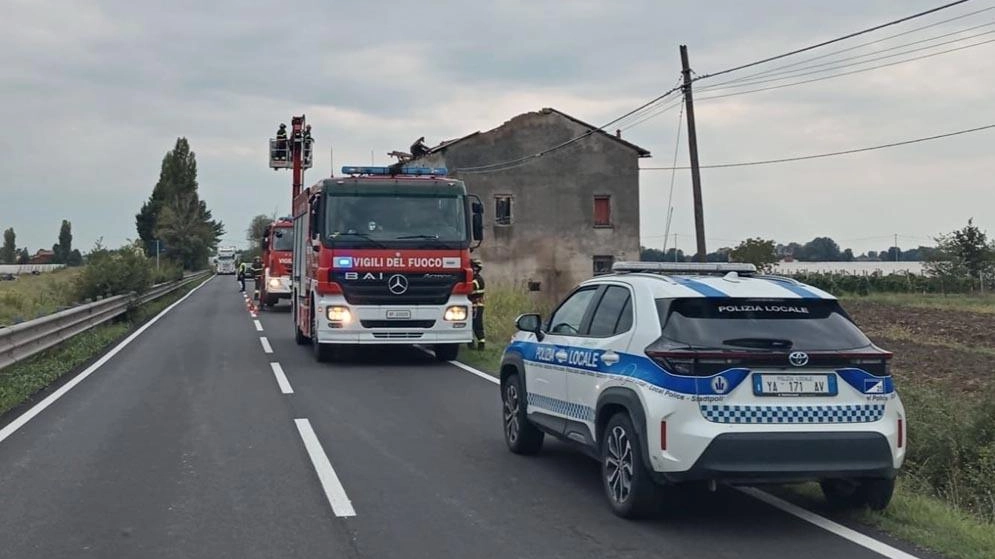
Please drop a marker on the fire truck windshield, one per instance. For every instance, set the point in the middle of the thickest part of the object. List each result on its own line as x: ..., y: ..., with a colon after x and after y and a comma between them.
x: 283, y: 239
x: 382, y: 219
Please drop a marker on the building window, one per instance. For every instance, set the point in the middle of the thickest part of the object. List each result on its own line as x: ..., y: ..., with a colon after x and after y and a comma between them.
x: 502, y: 209
x: 603, y: 211
x: 603, y: 264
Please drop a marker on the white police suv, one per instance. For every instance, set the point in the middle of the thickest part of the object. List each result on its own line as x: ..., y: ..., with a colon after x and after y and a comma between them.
x: 669, y: 373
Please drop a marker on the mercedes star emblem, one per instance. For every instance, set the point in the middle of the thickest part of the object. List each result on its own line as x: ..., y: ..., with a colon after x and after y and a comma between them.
x: 798, y: 358
x: 397, y: 284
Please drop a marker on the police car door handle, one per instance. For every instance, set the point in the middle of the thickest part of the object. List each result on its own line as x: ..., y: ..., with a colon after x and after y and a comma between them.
x: 609, y: 358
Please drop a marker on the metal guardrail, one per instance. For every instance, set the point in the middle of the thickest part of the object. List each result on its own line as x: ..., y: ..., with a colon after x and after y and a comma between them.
x: 20, y: 341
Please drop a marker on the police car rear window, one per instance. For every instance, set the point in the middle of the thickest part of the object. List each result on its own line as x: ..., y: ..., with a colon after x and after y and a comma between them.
x: 804, y: 324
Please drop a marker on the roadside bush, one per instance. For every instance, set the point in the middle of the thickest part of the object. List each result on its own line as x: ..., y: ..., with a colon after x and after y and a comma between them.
x: 115, y: 273
x: 167, y: 272
x: 951, y: 448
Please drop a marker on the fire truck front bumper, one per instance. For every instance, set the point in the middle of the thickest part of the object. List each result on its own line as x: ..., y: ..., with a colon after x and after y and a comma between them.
x: 424, y: 324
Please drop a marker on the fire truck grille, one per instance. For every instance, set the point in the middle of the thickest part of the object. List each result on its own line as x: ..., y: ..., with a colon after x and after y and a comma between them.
x: 396, y: 289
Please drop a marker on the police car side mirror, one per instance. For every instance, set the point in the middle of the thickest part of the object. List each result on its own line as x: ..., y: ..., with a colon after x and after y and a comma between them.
x: 531, y: 323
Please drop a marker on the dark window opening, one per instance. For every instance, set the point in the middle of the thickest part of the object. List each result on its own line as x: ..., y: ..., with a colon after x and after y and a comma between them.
x: 603, y: 264
x: 502, y: 210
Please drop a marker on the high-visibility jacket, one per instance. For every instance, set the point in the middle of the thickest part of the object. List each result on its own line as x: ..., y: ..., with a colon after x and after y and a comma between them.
x: 477, y: 295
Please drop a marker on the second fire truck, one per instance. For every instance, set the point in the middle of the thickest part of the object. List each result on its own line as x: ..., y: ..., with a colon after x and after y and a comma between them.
x: 277, y: 253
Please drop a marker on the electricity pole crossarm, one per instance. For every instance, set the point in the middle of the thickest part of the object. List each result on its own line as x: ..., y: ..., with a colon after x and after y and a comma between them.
x: 699, y: 214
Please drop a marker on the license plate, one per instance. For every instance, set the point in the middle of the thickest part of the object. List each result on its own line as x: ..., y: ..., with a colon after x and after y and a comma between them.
x: 794, y: 385
x: 398, y: 314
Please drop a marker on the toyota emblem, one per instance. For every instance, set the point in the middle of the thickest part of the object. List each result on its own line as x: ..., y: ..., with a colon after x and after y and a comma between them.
x: 798, y: 358
x: 398, y: 284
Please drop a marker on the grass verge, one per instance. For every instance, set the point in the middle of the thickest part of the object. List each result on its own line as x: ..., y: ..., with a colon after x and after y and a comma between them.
x: 504, y: 304
x: 21, y: 381
x: 927, y: 522
x: 30, y: 296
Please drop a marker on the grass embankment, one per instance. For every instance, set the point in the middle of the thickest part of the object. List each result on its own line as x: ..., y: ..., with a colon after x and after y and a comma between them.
x: 29, y: 296
x: 503, y: 307
x: 21, y: 381
x: 943, y: 345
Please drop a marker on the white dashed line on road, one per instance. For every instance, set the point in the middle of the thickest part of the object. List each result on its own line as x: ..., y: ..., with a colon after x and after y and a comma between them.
x: 334, y: 492
x: 259, y: 325
x: 281, y: 379
x: 265, y: 343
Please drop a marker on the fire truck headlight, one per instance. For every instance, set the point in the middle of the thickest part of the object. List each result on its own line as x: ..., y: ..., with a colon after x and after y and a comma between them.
x: 455, y: 314
x: 339, y: 314
x: 273, y: 282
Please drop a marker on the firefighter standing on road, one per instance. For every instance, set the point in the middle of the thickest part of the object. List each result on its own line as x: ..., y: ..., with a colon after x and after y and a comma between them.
x: 243, y: 269
x: 256, y: 270
x: 477, y: 300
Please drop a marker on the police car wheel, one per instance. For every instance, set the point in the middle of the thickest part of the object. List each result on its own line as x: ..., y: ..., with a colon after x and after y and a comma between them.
x: 877, y: 492
x: 521, y: 436
x: 631, y: 490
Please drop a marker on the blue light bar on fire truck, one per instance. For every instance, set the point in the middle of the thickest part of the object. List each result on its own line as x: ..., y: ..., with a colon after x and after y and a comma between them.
x: 387, y: 171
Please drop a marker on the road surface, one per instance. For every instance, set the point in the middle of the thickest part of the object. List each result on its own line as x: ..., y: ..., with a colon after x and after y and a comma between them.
x: 213, y: 435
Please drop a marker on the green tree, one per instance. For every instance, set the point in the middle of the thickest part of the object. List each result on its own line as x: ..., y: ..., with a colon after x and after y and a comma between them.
x: 257, y: 228
x: 820, y: 249
x: 9, y: 254
x: 174, y: 210
x: 962, y: 253
x: 23, y: 257
x: 761, y: 253
x: 64, y: 248
x: 187, y: 236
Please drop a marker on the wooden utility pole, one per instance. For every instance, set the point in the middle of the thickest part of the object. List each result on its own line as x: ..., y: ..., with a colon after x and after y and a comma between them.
x: 699, y: 214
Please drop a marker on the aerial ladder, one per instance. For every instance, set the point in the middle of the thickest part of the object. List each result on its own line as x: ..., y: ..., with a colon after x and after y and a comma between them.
x: 293, y: 151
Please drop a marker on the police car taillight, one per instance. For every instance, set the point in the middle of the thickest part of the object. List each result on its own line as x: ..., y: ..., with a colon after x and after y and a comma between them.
x: 699, y: 363
x: 876, y: 364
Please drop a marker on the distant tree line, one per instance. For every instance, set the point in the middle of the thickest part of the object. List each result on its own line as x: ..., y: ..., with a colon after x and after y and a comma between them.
x: 963, y: 260
x: 819, y: 249
x: 62, y: 251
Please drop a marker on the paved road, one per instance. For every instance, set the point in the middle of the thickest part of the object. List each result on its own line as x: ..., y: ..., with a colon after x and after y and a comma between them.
x: 183, y: 445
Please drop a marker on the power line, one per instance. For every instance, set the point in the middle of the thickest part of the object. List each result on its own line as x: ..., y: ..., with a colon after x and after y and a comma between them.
x: 512, y: 163
x: 808, y: 70
x: 659, y: 111
x: 855, y: 47
x: 851, y: 72
x: 831, y: 154
x: 831, y: 41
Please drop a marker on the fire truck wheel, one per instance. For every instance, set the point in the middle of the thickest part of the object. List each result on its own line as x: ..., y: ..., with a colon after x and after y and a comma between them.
x: 322, y: 352
x: 446, y: 352
x: 299, y: 336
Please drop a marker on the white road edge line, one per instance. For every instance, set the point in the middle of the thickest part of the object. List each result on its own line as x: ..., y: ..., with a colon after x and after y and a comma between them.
x: 259, y: 325
x: 854, y: 536
x: 265, y: 343
x: 27, y: 416
x: 334, y: 492
x: 281, y: 379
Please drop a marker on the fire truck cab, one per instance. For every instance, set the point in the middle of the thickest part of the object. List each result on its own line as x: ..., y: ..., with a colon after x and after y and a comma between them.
x: 382, y: 256
x: 277, y: 250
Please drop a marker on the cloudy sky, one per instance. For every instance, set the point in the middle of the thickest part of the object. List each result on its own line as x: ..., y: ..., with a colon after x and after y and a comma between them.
x: 92, y: 93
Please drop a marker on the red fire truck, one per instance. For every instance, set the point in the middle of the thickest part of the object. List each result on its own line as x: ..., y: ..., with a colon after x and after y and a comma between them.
x: 382, y: 256
x: 277, y: 250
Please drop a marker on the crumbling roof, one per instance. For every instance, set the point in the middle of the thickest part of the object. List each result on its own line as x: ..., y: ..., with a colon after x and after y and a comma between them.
x: 639, y: 150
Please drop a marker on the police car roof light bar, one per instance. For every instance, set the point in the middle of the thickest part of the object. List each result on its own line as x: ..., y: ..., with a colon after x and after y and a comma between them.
x: 393, y: 171
x: 686, y: 267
